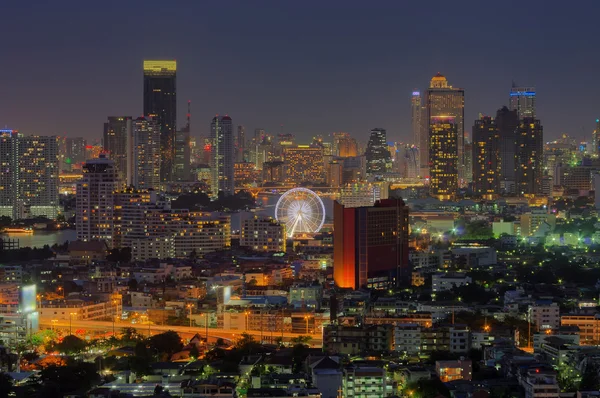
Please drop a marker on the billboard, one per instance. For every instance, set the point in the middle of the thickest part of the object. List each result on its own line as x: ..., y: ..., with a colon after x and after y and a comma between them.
x: 27, y: 299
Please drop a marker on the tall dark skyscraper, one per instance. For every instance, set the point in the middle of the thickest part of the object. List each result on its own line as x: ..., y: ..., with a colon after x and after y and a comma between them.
x: 222, y: 156
x: 444, y: 100
x: 117, y: 133
x: 377, y: 155
x: 530, y: 157
x: 507, y: 122
x: 443, y: 157
x: 181, y: 166
x: 370, y: 245
x: 160, y: 103
x: 416, y: 121
x: 240, y: 144
x: 522, y: 100
x: 486, y: 158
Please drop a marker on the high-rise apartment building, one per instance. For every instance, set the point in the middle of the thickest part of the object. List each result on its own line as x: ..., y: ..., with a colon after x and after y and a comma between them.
x: 371, y: 245
x: 596, y: 139
x: 409, y: 161
x: 379, y: 160
x: 183, y: 150
x: 160, y: 103
x: 75, y: 151
x: 117, y: 136
x: 529, y: 157
x: 146, y: 154
x: 416, y: 116
x: 222, y: 156
x: 507, y: 122
x: 95, y: 202
x: 444, y: 100
x: 522, y: 100
x: 304, y: 164
x: 486, y: 158
x: 443, y: 157
x: 29, y: 177
x: 263, y: 234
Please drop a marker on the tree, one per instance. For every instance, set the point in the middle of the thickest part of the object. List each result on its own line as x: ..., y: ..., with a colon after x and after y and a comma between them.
x: 589, y: 379
x: 158, y: 389
x: 71, y: 345
x: 71, y: 378
x: 247, y: 345
x: 194, y: 352
x: 5, y: 385
x: 166, y: 343
x: 132, y: 284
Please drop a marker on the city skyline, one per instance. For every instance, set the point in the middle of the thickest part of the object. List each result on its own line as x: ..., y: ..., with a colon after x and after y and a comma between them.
x: 326, y: 81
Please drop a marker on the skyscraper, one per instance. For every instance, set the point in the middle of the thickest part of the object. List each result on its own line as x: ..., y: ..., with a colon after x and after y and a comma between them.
x: 304, y: 164
x: 160, y: 103
x: 377, y: 154
x: 146, y: 154
x: 29, y: 177
x: 117, y: 133
x: 183, y: 148
x: 370, y: 245
x: 95, y: 199
x: 222, y: 156
x: 486, y: 158
x: 529, y: 157
x: 507, y: 122
x: 522, y: 100
x: 444, y: 100
x: 416, y: 113
x: 443, y: 157
x: 240, y: 144
x: 596, y: 139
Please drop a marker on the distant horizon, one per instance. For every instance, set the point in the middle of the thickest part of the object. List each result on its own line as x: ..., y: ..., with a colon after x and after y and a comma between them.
x: 306, y: 69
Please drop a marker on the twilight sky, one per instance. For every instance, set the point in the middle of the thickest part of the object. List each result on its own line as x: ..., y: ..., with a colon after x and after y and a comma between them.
x: 312, y: 66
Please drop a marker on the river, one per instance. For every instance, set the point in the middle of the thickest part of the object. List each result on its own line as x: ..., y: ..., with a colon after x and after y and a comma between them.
x: 266, y: 205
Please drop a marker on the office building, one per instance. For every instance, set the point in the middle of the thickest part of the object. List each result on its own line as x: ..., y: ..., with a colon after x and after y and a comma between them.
x: 507, y: 123
x: 596, y: 139
x: 344, y: 145
x: 446, y: 101
x: 362, y: 194
x: 371, y: 245
x: 222, y: 156
x: 29, y: 178
x: 263, y: 234
x: 95, y: 202
x: 408, y: 161
x: 160, y: 103
x: 522, y: 100
x: 240, y: 144
x: 416, y: 119
x: 443, y: 157
x: 183, y: 150
x: 244, y: 174
x: 146, y: 154
x: 117, y: 136
x: 486, y: 158
x: 379, y: 160
x: 304, y: 163
x: 529, y: 157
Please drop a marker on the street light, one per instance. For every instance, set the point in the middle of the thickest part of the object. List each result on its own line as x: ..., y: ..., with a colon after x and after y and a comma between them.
x: 246, y: 313
x: 189, y: 306
x: 71, y: 322
x: 60, y: 289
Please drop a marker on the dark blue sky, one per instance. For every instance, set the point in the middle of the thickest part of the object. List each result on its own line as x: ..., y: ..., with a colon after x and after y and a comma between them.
x: 313, y: 66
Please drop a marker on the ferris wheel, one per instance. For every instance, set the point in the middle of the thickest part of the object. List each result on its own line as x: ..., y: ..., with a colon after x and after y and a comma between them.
x: 301, y: 210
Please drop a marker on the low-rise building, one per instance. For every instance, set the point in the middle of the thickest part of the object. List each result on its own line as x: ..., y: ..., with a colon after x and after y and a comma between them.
x: 351, y: 340
x: 447, y: 281
x: 361, y: 382
x: 82, y: 310
x: 407, y: 338
x: 263, y: 234
x: 460, y: 369
x: 544, y: 314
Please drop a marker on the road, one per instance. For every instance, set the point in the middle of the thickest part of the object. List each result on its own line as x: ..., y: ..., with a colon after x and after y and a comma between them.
x: 184, y: 331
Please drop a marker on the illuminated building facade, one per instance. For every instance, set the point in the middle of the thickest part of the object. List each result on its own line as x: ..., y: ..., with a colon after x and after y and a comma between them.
x: 29, y: 179
x: 529, y: 157
x: 117, y: 133
x: 344, y: 146
x: 522, y: 100
x: 371, y: 245
x: 95, y: 202
x: 244, y: 174
x: 160, y: 103
x: 362, y: 194
x: 304, y: 164
x: 273, y: 172
x: 146, y: 154
x: 445, y: 100
x: 379, y: 160
x: 222, y: 156
x: 443, y: 157
x: 263, y: 234
x: 75, y: 153
x: 486, y: 158
x: 416, y: 119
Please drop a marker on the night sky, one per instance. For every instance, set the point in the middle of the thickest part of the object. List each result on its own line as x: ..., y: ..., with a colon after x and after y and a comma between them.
x: 312, y: 66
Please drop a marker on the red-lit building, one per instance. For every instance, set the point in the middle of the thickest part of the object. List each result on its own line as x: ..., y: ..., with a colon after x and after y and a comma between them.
x: 371, y: 245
